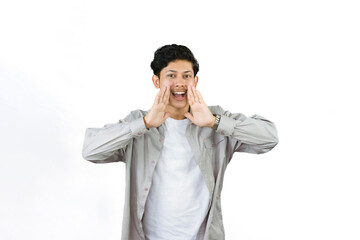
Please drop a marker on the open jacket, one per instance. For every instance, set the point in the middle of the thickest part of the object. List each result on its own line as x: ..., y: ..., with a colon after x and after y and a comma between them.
x: 129, y: 141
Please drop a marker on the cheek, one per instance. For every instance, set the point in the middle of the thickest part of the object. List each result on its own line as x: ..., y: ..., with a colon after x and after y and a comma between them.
x: 191, y: 84
x: 165, y: 83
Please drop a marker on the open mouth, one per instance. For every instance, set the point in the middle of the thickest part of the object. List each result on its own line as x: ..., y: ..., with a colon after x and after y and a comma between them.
x: 179, y: 95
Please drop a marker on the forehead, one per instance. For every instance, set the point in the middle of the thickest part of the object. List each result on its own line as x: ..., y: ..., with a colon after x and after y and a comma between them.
x: 179, y: 66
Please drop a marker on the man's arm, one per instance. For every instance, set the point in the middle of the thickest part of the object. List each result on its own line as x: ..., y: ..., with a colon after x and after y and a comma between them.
x: 107, y: 144
x: 255, y: 134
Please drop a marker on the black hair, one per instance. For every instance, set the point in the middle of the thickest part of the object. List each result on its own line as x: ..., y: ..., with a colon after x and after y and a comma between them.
x: 169, y: 53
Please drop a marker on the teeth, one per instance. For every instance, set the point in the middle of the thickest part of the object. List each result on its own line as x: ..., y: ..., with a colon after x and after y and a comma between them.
x: 179, y: 92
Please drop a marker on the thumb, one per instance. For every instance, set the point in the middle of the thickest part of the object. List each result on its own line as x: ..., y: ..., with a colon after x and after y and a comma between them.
x: 166, y: 115
x: 189, y: 116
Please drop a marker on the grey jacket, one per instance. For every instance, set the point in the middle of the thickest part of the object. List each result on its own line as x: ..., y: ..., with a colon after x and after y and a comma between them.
x: 129, y: 141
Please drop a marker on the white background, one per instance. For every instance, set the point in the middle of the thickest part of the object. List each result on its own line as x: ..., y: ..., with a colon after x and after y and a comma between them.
x: 68, y: 65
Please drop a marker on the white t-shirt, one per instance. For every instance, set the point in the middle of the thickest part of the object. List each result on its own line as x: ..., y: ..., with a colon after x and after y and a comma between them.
x: 178, y: 199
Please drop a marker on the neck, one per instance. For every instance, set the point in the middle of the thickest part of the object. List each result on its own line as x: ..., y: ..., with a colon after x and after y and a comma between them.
x: 178, y: 113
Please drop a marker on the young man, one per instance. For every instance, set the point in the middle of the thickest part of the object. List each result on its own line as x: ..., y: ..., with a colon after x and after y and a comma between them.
x: 176, y: 154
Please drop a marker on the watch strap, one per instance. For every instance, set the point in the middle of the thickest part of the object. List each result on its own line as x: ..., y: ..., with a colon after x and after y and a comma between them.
x: 217, y: 121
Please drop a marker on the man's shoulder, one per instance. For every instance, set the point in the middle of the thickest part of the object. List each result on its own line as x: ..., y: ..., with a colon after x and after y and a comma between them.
x: 216, y: 109
x: 135, y: 114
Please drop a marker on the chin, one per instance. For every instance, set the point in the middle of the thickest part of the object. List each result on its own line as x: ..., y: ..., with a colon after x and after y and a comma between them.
x: 179, y: 105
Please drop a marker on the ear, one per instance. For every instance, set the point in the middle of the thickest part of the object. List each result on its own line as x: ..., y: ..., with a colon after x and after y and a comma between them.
x: 196, y: 79
x: 156, y: 81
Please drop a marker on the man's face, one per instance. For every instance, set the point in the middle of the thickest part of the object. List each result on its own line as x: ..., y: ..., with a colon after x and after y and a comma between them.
x: 178, y: 75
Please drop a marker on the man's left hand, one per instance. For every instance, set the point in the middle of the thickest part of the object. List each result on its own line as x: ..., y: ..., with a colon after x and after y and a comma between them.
x: 201, y: 115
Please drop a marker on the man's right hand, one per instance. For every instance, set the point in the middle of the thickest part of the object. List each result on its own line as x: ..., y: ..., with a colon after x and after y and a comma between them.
x: 157, y: 115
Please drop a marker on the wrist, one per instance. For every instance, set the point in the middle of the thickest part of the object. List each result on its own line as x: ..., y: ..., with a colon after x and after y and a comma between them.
x: 213, y: 119
x: 146, y: 124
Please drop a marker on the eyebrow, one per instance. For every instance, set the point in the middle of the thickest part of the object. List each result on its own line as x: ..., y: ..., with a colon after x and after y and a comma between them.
x: 188, y: 71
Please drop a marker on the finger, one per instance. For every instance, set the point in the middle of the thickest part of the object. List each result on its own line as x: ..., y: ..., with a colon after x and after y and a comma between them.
x: 201, y: 99
x: 189, y: 116
x: 166, y: 95
x: 167, y: 115
x: 196, y: 98
x: 157, y: 98
x: 163, y: 91
x: 190, y: 96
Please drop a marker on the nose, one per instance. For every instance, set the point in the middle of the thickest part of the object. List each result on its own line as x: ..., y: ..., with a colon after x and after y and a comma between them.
x: 180, y: 83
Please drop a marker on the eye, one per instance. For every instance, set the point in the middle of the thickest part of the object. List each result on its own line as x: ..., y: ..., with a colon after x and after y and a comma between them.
x: 171, y: 75
x: 187, y: 76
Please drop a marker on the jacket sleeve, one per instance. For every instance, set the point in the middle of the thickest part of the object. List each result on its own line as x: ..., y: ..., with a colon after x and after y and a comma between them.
x: 108, y: 144
x: 255, y: 134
